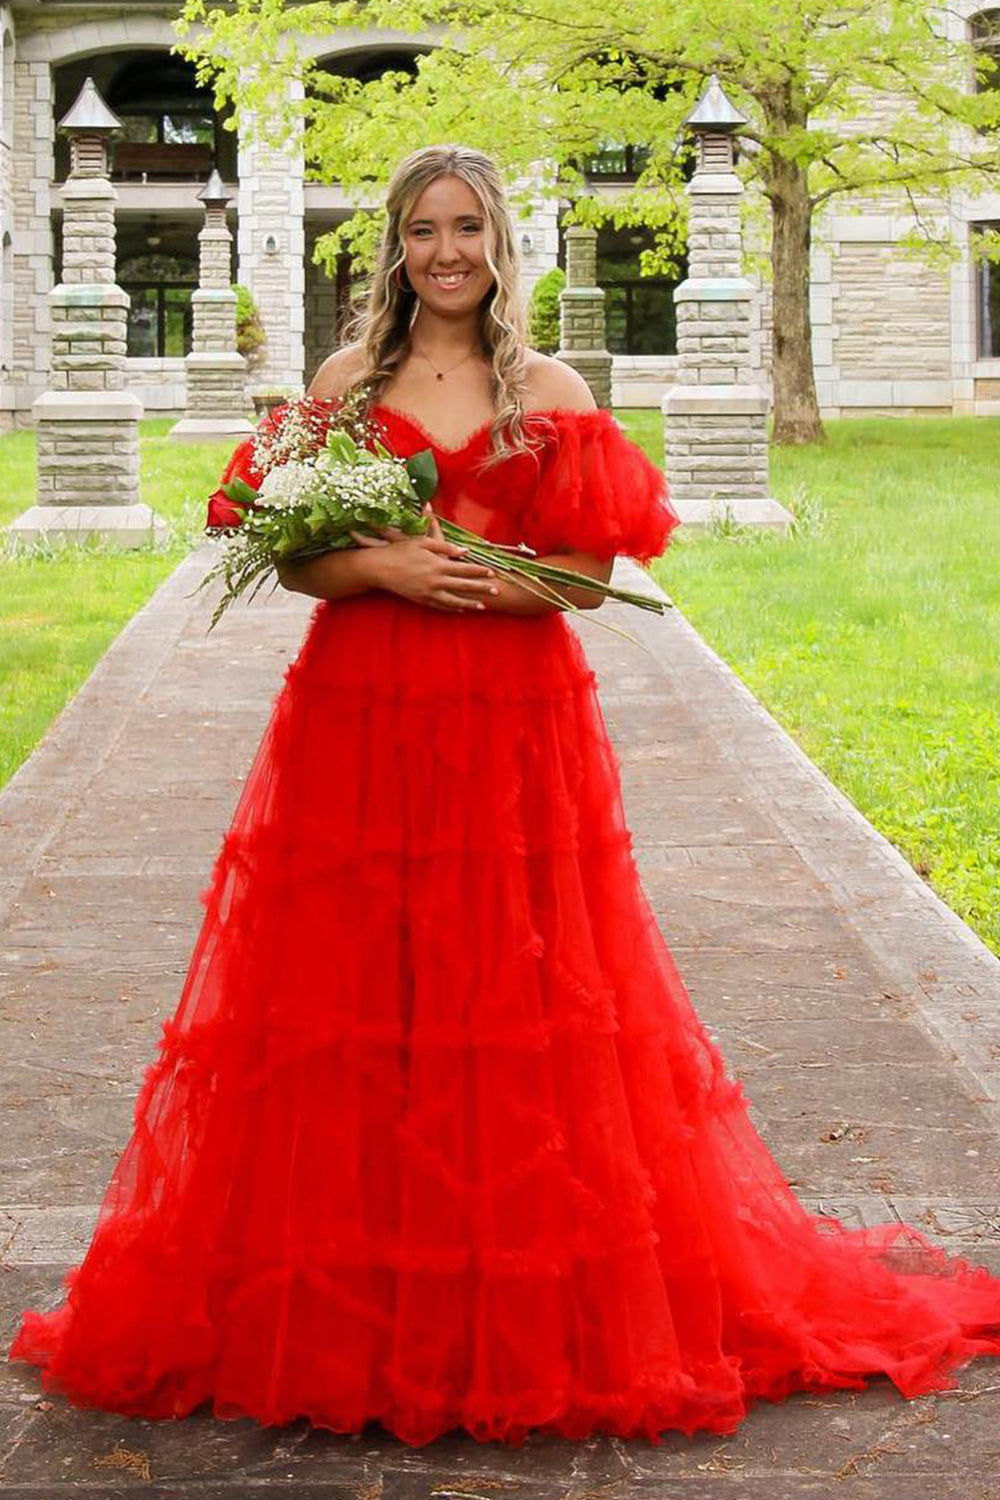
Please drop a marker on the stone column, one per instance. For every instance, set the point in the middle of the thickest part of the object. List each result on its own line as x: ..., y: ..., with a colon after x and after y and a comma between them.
x: 87, y: 423
x: 581, y: 314
x: 715, y: 435
x: 271, y: 250
x: 33, y: 169
x: 216, y: 372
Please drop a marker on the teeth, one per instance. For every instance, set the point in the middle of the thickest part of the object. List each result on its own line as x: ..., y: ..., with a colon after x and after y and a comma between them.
x: 452, y: 280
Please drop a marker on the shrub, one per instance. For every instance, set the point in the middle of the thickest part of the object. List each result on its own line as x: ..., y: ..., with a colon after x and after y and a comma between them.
x: 250, y: 335
x: 543, y: 311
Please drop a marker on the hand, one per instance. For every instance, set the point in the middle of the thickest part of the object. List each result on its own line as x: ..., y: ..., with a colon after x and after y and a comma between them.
x: 429, y: 569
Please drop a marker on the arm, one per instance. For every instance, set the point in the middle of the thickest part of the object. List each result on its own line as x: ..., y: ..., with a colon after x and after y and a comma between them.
x: 334, y: 575
x: 512, y: 599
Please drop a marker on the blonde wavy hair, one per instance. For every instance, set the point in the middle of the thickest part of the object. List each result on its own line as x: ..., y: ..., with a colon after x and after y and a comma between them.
x: 382, y: 322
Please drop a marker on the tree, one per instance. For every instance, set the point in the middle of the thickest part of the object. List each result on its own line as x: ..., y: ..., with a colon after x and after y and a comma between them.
x: 876, y: 98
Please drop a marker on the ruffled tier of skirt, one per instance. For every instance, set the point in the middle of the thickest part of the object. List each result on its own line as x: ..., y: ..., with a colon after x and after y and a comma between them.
x: 435, y: 1137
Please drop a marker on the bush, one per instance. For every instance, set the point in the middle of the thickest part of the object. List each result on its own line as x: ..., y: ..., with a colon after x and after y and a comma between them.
x: 543, y: 311
x: 250, y: 335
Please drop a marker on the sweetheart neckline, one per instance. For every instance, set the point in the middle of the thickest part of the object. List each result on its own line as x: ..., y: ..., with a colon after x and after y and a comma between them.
x: 484, y: 427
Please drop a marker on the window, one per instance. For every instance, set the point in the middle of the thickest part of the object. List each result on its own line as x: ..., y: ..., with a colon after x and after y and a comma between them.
x: 619, y: 162
x: 987, y: 301
x: 640, y: 316
x: 170, y: 131
x: 187, y: 128
x: 984, y: 33
x: 169, y: 128
x: 159, y: 315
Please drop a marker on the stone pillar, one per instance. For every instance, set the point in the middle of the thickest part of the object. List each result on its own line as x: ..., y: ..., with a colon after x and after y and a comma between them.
x: 715, y: 435
x: 216, y: 372
x: 271, y: 251
x: 581, y: 314
x: 32, y: 167
x: 87, y: 423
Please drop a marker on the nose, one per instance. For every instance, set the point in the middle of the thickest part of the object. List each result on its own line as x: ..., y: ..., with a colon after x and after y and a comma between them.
x: 449, y: 253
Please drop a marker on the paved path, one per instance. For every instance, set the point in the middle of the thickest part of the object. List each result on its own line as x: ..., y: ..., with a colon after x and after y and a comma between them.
x: 862, y: 1015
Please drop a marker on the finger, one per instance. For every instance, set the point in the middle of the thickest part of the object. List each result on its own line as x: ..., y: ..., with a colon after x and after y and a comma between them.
x: 442, y: 544
x: 459, y: 601
x: 364, y: 540
x: 457, y: 568
x: 456, y: 583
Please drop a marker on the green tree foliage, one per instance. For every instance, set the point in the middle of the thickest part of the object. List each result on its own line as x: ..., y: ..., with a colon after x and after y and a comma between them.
x: 871, y: 98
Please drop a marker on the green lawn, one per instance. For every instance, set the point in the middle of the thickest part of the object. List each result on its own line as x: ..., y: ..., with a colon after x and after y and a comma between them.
x: 874, y: 638
x: 871, y: 636
x: 59, y: 614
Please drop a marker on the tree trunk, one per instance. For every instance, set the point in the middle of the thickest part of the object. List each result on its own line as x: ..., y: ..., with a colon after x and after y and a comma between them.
x: 796, y: 408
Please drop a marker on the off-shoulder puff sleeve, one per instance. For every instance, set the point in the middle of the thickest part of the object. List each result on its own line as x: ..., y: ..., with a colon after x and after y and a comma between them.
x: 597, y: 492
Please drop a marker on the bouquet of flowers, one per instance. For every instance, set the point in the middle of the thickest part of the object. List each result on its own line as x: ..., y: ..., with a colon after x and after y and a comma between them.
x: 321, y: 483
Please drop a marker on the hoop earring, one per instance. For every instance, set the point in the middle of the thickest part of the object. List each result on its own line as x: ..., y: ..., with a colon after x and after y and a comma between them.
x: 399, y: 284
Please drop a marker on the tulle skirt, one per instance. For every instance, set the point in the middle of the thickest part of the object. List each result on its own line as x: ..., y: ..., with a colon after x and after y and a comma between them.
x: 435, y: 1136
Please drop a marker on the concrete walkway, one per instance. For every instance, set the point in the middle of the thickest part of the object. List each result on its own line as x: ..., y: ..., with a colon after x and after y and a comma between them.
x: 863, y: 1016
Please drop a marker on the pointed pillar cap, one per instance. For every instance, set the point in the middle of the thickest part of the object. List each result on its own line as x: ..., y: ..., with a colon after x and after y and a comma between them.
x: 214, y: 194
x: 89, y: 115
x: 714, y: 110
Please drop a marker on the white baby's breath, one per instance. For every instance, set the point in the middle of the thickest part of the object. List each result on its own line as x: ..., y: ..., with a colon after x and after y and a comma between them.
x: 288, y: 484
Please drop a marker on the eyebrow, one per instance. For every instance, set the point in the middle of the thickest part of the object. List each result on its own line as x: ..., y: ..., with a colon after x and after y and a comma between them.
x: 459, y: 218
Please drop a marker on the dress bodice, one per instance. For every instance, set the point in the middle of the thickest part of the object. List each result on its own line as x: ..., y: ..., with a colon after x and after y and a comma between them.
x: 486, y: 502
x: 586, y: 486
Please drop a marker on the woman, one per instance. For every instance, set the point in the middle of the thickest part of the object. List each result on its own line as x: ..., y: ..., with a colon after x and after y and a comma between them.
x: 435, y: 1136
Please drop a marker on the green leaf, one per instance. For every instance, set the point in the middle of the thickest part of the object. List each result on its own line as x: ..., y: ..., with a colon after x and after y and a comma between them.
x: 238, y: 490
x: 423, y: 473
x: 342, y: 447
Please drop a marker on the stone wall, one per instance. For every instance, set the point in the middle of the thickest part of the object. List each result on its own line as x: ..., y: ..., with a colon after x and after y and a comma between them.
x: 891, y: 314
x: 161, y: 384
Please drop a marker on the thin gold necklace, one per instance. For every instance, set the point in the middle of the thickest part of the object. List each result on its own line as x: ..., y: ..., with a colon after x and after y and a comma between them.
x: 442, y: 373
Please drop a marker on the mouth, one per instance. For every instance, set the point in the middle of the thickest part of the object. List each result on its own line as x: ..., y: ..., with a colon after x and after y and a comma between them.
x: 448, y: 280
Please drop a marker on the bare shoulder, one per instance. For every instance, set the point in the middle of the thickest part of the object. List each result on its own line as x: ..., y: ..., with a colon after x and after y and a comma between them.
x: 552, y: 384
x: 338, y: 372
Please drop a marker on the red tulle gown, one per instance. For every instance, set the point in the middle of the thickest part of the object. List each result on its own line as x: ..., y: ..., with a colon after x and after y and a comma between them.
x: 435, y: 1136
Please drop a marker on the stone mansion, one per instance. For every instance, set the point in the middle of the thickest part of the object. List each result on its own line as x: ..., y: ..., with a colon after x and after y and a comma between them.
x: 891, y: 335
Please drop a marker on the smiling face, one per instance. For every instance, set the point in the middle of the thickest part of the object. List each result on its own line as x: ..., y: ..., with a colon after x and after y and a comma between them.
x: 444, y: 240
